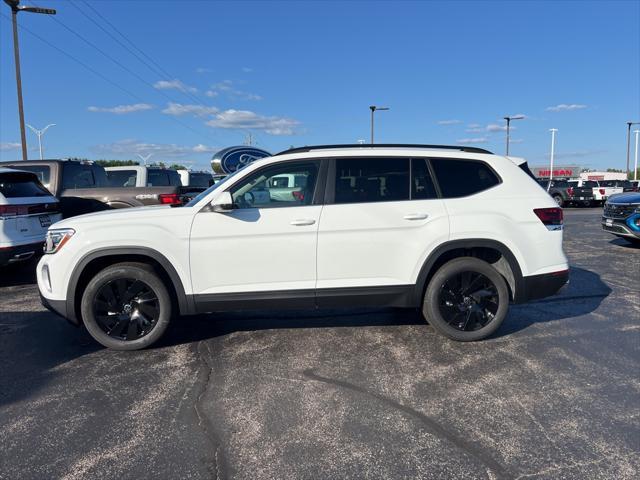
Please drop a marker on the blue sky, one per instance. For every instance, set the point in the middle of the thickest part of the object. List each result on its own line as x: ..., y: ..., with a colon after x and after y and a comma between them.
x: 297, y: 73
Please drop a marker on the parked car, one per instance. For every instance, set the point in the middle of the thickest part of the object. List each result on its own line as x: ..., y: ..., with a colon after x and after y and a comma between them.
x: 587, y: 189
x: 454, y: 231
x: 621, y: 216
x: 617, y: 186
x: 565, y: 194
x: 27, y: 209
x: 82, y: 187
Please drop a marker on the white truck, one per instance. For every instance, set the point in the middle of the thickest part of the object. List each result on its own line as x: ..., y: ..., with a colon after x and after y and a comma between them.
x: 143, y: 176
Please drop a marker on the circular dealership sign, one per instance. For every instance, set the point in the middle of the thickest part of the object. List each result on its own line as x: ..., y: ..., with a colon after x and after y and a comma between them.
x: 231, y: 159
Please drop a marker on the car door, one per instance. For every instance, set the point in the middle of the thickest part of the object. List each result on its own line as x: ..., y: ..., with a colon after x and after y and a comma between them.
x: 381, y: 220
x: 266, y: 246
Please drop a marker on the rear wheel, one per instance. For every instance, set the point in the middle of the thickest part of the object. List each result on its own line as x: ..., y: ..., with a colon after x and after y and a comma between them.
x: 559, y: 200
x: 126, y: 306
x: 466, y: 300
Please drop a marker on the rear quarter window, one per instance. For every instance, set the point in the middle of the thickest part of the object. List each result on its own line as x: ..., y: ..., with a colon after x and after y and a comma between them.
x: 461, y: 178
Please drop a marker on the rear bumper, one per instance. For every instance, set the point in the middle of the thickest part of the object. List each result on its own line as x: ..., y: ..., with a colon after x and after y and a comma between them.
x: 535, y: 287
x: 20, y: 253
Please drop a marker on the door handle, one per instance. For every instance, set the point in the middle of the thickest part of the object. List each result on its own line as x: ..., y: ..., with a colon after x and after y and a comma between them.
x: 416, y: 216
x: 302, y: 222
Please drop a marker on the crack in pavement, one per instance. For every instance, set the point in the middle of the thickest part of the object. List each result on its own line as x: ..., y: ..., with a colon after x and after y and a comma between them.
x: 466, y: 446
x: 214, y: 463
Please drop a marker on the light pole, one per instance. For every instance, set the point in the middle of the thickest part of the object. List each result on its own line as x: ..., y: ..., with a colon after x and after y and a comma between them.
x: 635, y: 163
x: 373, y: 108
x: 40, y: 133
x: 144, y: 158
x: 508, y: 119
x: 15, y: 8
x: 628, y: 142
x: 553, y: 145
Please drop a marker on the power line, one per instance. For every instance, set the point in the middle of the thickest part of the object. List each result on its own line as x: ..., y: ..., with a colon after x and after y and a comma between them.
x: 95, y: 72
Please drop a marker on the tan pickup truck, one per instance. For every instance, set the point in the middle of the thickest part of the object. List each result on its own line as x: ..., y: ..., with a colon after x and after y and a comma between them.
x: 83, y: 187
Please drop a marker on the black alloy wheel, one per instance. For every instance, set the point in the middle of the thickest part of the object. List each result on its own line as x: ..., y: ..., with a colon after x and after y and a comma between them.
x: 126, y: 309
x: 468, y: 301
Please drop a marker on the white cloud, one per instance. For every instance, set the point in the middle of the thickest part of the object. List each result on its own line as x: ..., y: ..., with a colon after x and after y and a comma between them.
x: 464, y: 141
x: 227, y: 87
x: 493, y: 127
x: 203, y: 70
x: 5, y: 146
x: 178, y: 109
x: 122, y: 109
x: 448, y: 122
x: 244, y: 119
x: 131, y: 147
x: 174, y: 85
x: 474, y: 125
x: 211, y: 93
x: 564, y: 107
x: 478, y: 129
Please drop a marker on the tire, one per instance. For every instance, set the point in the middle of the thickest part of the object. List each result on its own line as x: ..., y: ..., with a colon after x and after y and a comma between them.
x: 462, y: 316
x: 126, y: 306
x: 559, y: 200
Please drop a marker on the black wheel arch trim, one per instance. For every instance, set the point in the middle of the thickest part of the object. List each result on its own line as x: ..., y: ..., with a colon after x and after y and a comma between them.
x: 426, y: 272
x: 185, y: 302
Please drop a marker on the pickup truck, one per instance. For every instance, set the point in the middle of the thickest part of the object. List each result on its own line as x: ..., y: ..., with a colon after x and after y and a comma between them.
x: 588, y: 189
x: 566, y: 193
x: 82, y: 187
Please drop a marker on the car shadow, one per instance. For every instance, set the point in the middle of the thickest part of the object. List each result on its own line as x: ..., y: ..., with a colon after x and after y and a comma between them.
x: 20, y: 273
x: 621, y: 242
x: 581, y: 296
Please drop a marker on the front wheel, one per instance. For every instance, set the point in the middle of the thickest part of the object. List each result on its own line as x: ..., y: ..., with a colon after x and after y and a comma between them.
x: 126, y: 306
x: 559, y: 200
x: 466, y: 300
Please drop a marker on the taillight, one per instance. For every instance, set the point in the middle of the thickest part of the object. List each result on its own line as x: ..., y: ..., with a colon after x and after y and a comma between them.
x: 570, y: 191
x: 170, y: 199
x: 16, y: 210
x: 550, y: 217
x: 602, y: 191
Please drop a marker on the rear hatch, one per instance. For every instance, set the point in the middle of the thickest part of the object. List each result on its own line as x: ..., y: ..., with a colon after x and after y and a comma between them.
x: 27, y: 209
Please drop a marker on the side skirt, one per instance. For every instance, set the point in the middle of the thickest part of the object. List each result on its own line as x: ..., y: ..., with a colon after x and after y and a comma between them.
x: 382, y: 296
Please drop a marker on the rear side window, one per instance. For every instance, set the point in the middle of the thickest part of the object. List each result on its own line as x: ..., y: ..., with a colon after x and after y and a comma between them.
x: 422, y: 187
x: 76, y: 175
x: 461, y: 178
x: 361, y: 180
x: 200, y: 180
x: 16, y: 185
x: 163, y: 178
x: 122, y: 178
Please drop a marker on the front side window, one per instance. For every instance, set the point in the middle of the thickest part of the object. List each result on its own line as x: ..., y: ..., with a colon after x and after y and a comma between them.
x: 461, y: 178
x: 361, y: 180
x: 286, y: 185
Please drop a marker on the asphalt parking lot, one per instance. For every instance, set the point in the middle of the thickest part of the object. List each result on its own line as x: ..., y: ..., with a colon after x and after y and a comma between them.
x: 348, y: 394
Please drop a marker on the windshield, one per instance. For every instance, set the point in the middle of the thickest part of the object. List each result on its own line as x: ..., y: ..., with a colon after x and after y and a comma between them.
x: 200, y: 196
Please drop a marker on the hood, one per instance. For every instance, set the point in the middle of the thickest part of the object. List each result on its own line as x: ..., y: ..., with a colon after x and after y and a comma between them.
x: 629, y: 197
x: 119, y: 215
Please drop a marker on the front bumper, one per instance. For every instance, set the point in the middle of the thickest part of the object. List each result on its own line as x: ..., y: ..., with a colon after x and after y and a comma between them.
x: 622, y: 227
x: 535, y: 287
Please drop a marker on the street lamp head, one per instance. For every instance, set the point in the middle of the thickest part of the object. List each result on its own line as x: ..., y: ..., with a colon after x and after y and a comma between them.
x: 12, y: 3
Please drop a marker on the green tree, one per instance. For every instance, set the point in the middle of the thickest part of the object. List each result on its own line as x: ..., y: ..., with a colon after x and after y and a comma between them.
x: 117, y: 163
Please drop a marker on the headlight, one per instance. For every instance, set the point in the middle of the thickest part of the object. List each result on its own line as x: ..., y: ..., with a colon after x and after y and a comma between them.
x: 56, y: 239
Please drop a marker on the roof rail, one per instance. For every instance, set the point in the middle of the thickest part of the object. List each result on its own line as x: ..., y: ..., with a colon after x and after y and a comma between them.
x: 385, y: 145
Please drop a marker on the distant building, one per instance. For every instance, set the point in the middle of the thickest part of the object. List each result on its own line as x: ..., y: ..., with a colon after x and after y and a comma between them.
x: 603, y: 176
x: 559, y: 171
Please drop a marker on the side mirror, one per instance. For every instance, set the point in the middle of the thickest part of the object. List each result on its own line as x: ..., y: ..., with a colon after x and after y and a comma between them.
x: 223, y: 203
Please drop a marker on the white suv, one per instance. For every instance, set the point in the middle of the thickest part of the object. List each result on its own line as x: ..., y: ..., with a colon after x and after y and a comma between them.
x: 455, y: 231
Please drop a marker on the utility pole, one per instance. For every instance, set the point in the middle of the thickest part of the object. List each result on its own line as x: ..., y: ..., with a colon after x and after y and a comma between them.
x: 373, y: 109
x: 553, y: 144
x: 629, y: 141
x: 40, y: 133
x: 15, y: 8
x: 635, y: 163
x: 508, y: 119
